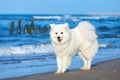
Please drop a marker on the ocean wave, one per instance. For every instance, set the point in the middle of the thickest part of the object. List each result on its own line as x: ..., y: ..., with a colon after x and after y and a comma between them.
x: 47, y: 17
x: 76, y: 18
x: 91, y: 17
x: 26, y: 49
x: 61, y: 17
x: 103, y: 45
x: 108, y: 35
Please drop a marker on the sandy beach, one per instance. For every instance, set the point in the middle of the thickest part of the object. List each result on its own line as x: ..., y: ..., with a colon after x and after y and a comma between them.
x: 108, y: 70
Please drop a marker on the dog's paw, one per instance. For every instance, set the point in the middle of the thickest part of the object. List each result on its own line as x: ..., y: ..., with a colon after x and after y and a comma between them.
x: 56, y: 73
x: 85, y: 69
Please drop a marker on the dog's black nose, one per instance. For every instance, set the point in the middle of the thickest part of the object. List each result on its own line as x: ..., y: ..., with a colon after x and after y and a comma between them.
x: 58, y: 37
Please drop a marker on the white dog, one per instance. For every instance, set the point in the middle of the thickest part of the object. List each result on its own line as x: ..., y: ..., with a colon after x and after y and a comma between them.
x: 67, y: 41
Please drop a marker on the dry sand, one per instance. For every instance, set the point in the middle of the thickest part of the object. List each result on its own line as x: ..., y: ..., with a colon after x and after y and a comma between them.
x: 108, y: 70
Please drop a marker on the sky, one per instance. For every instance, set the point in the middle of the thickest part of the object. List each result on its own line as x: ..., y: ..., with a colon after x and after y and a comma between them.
x: 58, y: 6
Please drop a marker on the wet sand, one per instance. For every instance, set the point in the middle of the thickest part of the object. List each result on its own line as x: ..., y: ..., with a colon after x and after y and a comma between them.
x: 108, y: 70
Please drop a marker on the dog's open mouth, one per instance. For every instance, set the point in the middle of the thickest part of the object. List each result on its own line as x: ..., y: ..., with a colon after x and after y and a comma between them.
x: 59, y: 39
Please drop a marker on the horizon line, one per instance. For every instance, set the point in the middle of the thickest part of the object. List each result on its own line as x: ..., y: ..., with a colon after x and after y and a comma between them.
x: 89, y: 13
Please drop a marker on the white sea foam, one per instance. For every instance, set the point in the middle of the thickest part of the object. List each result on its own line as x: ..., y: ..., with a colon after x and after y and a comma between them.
x: 26, y: 49
x: 75, y: 18
x: 47, y: 17
x: 89, y: 17
x: 103, y: 45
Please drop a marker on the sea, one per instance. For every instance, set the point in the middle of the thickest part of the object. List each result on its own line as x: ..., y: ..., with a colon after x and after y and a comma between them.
x: 26, y: 49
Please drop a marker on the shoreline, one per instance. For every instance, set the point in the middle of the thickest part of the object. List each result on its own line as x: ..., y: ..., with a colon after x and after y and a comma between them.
x: 106, y: 70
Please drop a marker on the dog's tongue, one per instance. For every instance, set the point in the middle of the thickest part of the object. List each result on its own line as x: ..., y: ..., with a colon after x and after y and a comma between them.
x: 59, y: 40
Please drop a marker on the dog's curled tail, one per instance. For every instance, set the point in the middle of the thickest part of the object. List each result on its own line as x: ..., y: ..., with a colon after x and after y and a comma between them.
x: 87, y: 30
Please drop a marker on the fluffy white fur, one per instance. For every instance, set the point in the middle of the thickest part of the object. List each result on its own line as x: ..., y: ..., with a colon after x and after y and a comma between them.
x: 67, y: 41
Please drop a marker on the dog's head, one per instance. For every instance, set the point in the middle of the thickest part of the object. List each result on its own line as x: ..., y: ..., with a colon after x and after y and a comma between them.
x: 60, y: 33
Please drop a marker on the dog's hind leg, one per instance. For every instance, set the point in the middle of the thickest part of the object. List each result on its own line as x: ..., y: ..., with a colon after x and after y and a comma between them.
x: 86, y: 60
x: 83, y: 58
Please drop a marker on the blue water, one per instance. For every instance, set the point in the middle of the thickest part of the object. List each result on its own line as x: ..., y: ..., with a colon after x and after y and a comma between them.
x: 27, y: 54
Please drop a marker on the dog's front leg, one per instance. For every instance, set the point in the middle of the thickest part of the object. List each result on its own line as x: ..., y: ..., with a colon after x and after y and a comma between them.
x: 59, y: 65
x: 66, y: 63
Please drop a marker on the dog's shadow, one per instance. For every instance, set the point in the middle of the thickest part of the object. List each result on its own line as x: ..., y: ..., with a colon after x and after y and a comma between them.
x: 93, y: 67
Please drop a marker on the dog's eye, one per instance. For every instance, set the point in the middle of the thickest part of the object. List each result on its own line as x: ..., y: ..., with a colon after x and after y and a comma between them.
x: 56, y: 33
x: 61, y: 32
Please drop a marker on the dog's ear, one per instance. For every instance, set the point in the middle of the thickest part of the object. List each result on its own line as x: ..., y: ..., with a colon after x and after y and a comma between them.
x: 52, y: 26
x: 66, y: 26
